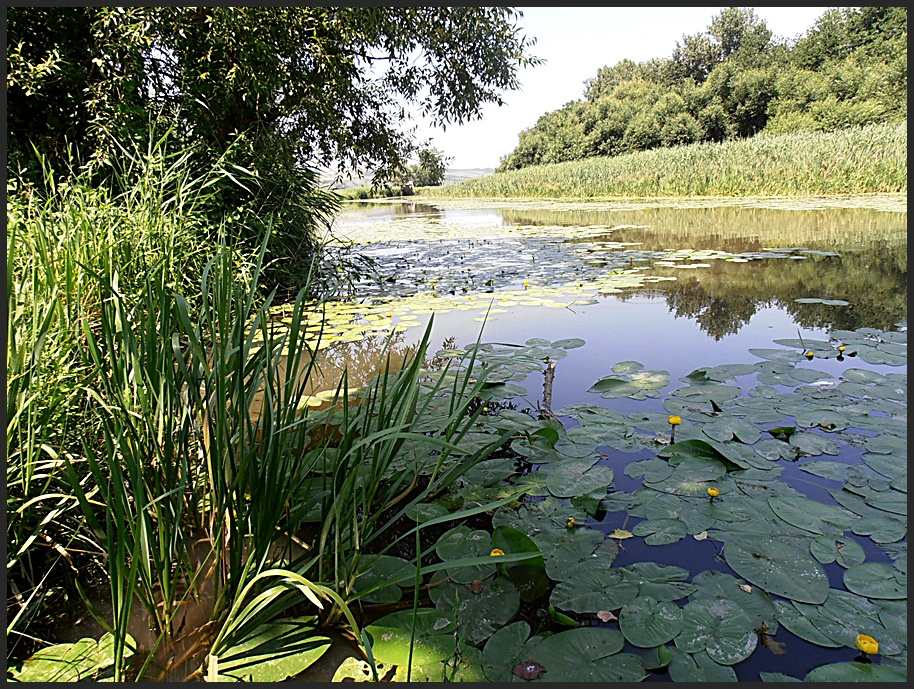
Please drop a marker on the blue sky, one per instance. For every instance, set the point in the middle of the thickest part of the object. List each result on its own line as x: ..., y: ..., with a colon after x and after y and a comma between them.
x: 576, y: 42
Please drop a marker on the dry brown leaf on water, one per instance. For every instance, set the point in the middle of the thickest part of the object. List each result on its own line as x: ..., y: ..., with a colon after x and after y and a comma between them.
x: 529, y: 669
x: 476, y: 586
x: 621, y: 534
x: 606, y: 616
x: 701, y: 536
x: 746, y: 588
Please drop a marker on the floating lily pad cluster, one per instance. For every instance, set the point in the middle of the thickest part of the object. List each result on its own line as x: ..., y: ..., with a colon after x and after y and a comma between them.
x: 621, y: 622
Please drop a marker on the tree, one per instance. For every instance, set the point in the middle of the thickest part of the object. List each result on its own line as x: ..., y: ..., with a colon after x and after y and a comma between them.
x: 430, y: 170
x: 328, y: 80
x: 279, y: 90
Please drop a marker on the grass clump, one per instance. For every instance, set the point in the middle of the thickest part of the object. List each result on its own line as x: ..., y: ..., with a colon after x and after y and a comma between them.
x: 852, y: 161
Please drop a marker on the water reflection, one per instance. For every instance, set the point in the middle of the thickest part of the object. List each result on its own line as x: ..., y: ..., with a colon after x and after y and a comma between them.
x: 857, y: 255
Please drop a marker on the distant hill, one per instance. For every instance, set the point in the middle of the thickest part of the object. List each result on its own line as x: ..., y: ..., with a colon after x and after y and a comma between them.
x: 450, y: 177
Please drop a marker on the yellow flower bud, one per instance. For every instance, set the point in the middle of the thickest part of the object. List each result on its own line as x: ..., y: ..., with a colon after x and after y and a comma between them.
x: 842, y: 348
x: 570, y: 523
x: 526, y: 283
x: 713, y: 492
x: 867, y: 644
x: 674, y: 420
x: 496, y: 552
x: 809, y: 355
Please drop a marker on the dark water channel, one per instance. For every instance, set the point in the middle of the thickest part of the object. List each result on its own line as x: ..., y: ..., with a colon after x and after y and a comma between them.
x: 714, y: 283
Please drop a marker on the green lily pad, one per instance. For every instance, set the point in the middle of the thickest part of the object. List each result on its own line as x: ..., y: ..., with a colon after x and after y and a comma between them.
x: 577, y: 477
x: 637, y: 384
x: 777, y: 677
x: 478, y: 615
x: 802, y: 625
x: 811, y: 515
x: 374, y: 570
x: 698, y: 667
x: 881, y: 529
x: 814, y: 444
x: 504, y: 650
x: 662, y: 582
x: 830, y: 470
x: 728, y: 427
x: 728, y: 371
x: 646, y: 622
x: 568, y: 547
x: 714, y: 585
x: 875, y: 580
x: 720, y: 627
x: 461, y: 542
x: 661, y: 532
x: 777, y: 354
x: 529, y: 576
x: 588, y: 590
x: 589, y: 654
x: 70, y: 662
x: 434, y: 636
x: 845, y: 551
x: 692, y: 477
x: 823, y: 419
x: 274, y: 652
x: 778, y: 568
x: 855, y: 672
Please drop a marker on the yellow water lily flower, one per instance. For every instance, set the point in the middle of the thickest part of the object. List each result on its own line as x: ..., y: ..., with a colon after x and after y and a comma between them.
x: 842, y: 348
x: 570, y: 523
x: 526, y: 284
x: 713, y: 492
x: 809, y: 355
x: 867, y: 644
x: 674, y: 420
x: 496, y: 552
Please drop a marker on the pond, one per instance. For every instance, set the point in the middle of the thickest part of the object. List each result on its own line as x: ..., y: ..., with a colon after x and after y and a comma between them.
x: 776, y: 333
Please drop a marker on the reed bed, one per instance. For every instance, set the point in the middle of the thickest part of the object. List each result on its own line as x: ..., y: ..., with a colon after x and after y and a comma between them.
x: 853, y: 161
x: 158, y: 425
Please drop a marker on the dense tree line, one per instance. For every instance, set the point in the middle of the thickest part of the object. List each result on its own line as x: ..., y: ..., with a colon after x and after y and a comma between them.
x: 734, y: 80
x: 273, y: 92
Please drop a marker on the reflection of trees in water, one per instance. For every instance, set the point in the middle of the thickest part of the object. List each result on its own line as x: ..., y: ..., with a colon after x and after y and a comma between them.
x: 407, y: 209
x: 723, y: 297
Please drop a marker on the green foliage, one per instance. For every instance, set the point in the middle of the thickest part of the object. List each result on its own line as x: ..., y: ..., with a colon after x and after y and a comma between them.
x: 733, y: 80
x: 849, y: 161
x: 272, y: 91
x: 429, y: 171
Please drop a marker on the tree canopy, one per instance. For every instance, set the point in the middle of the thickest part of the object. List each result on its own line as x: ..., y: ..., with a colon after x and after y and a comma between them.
x: 330, y: 83
x: 734, y: 80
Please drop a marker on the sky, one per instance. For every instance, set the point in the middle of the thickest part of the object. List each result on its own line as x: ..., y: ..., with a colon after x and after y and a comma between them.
x: 576, y: 42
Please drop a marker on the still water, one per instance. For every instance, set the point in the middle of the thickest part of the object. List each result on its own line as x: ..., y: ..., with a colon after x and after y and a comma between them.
x: 672, y: 288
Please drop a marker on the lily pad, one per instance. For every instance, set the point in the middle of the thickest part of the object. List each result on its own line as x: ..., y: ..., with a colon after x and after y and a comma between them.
x: 875, y: 580
x: 637, y: 384
x: 589, y: 654
x: 814, y: 444
x: 720, y: 627
x: 70, y: 662
x: 661, y: 532
x: 777, y: 567
x: 434, y: 636
x: 478, y: 615
x: 698, y: 667
x: 577, y: 477
x: 855, y: 672
x: 811, y: 515
x: 646, y: 622
x: 274, y: 651
x: 845, y: 551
